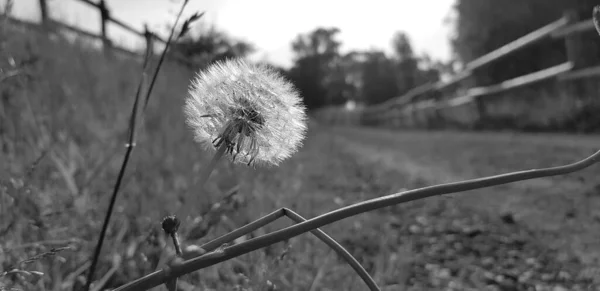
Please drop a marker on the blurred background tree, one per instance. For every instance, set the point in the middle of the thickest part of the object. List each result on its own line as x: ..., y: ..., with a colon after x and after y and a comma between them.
x: 315, y: 70
x: 405, y: 62
x: 326, y: 77
x: 209, y: 45
x: 379, y: 77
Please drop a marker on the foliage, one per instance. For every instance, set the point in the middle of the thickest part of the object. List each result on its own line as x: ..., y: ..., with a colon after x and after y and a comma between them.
x: 379, y: 77
x: 210, y: 45
x: 327, y: 77
x: 66, y: 106
x: 317, y: 55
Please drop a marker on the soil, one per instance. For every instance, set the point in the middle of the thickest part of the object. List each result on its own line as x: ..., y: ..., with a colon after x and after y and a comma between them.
x: 539, y: 234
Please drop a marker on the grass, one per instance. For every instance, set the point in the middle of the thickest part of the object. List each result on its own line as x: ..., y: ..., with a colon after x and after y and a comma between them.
x: 73, y: 103
x: 69, y: 110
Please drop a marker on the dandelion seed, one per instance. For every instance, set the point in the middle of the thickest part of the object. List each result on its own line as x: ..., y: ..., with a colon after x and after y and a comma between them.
x: 249, y: 109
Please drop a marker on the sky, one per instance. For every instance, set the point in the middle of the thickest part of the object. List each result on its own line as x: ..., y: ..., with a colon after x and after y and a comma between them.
x: 271, y: 25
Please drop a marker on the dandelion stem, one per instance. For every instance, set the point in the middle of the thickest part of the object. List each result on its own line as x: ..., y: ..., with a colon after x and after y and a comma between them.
x: 211, y: 166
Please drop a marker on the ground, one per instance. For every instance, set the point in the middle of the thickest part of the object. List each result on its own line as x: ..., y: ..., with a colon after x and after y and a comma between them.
x: 532, y: 235
x: 63, y: 126
x: 552, y: 219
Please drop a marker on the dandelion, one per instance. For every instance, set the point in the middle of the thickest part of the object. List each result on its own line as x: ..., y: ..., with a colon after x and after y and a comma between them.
x: 248, y: 111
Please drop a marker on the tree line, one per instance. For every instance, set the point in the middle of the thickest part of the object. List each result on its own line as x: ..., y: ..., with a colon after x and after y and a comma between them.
x: 325, y: 76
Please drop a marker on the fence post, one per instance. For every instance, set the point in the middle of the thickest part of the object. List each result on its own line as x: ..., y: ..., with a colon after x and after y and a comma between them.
x: 436, y: 118
x: 44, y: 12
x: 573, y: 42
x: 577, y: 56
x: 104, y: 18
x: 413, y: 115
x: 479, y: 122
x: 149, y: 40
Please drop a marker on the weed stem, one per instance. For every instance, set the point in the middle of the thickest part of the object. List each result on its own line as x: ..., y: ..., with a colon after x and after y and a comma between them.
x: 176, y: 243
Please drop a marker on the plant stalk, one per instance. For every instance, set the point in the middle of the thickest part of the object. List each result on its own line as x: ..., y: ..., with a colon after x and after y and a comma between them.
x: 206, y: 260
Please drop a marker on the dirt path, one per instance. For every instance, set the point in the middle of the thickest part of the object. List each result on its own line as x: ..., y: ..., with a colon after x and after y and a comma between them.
x: 563, y: 212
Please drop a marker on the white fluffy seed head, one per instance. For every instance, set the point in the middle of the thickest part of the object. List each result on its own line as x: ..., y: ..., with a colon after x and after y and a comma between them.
x: 249, y: 108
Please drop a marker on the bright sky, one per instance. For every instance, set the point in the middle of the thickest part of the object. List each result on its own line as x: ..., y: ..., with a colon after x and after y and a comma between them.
x: 271, y: 25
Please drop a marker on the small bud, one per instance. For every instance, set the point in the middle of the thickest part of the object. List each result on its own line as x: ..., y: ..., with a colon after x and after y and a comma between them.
x: 170, y: 224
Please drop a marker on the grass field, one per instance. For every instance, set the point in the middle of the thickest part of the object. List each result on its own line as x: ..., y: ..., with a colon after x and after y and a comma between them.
x: 70, y: 105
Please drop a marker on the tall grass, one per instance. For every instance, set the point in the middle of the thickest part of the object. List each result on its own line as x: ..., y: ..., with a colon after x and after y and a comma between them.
x: 73, y: 103
x: 69, y: 107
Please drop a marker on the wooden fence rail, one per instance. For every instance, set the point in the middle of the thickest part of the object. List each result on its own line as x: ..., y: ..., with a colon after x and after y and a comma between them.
x: 406, y: 107
x: 517, y: 44
x: 105, y: 19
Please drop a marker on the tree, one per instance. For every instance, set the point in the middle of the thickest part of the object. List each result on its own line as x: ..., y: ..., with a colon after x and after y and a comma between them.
x: 351, y: 67
x: 314, y: 71
x: 212, y: 45
x: 379, y: 78
x: 324, y: 77
x: 430, y: 70
x: 407, y: 70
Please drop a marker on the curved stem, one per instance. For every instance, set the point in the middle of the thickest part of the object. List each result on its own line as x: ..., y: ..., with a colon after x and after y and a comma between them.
x: 339, y: 249
x: 250, y: 227
x: 159, y: 277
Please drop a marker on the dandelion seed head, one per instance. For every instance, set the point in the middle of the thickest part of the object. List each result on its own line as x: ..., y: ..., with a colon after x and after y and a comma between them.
x: 250, y: 109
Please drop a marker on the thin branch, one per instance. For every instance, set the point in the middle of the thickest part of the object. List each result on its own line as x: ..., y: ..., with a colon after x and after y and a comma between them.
x: 339, y: 249
x: 209, y: 259
x: 164, y: 53
x: 248, y: 228
x: 130, y: 144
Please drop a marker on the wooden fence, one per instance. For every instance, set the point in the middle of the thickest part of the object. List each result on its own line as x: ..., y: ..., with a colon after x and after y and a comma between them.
x: 105, y: 18
x: 431, y: 103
